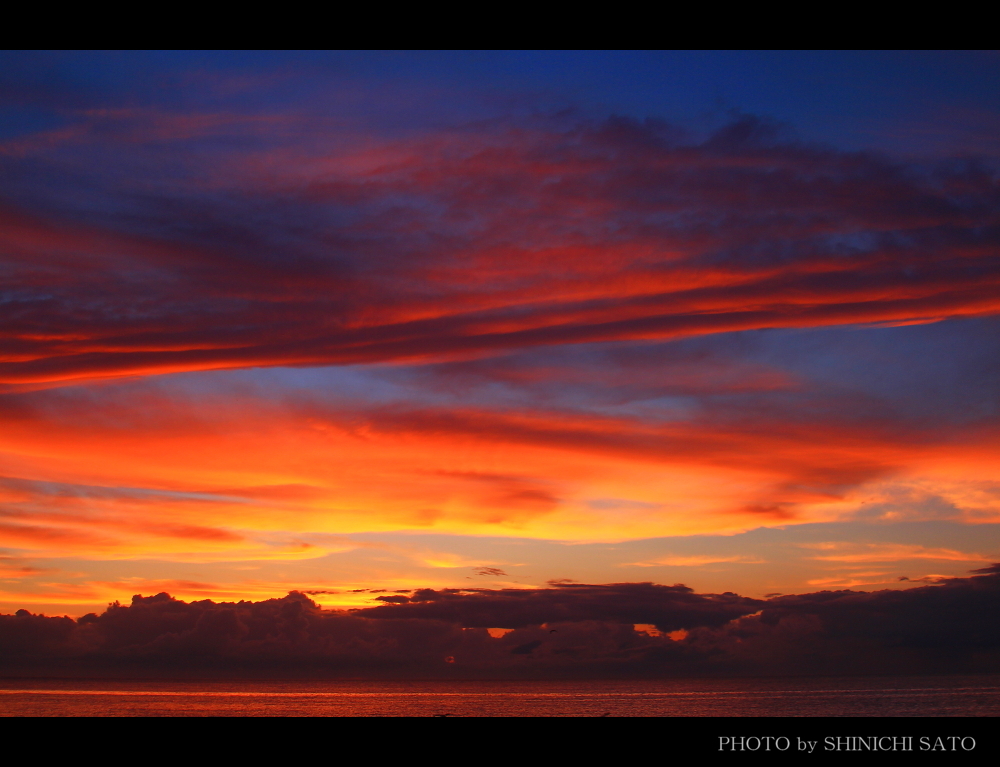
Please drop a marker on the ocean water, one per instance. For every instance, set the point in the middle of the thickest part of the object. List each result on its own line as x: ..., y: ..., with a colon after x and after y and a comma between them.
x: 815, y: 697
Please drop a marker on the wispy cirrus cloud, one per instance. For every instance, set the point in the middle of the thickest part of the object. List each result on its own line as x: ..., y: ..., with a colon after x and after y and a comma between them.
x: 694, y: 561
x: 849, y: 552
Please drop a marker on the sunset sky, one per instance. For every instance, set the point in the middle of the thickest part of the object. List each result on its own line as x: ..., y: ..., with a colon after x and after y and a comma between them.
x: 336, y: 322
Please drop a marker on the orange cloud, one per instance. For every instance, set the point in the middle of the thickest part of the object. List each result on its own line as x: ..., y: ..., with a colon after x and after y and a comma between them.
x: 230, y: 477
x: 693, y: 561
x: 12, y: 567
x: 887, y: 552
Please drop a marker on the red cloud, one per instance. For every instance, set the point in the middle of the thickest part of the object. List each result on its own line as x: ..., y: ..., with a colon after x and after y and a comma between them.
x: 465, y: 244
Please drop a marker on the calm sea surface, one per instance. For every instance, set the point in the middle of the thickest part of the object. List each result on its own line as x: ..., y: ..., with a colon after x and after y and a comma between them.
x: 889, y: 696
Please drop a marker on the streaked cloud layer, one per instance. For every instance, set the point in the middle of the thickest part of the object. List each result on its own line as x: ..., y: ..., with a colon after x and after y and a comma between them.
x: 268, y: 315
x: 478, y: 241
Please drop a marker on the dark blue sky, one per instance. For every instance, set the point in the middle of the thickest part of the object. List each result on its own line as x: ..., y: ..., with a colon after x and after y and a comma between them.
x: 898, y: 101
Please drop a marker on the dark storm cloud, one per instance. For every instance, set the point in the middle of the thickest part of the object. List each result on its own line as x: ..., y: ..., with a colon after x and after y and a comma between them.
x: 567, y: 630
x: 463, y: 243
x: 949, y: 627
x: 668, y: 607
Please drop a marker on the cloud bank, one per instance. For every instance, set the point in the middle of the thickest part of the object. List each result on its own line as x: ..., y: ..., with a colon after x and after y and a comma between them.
x: 567, y: 630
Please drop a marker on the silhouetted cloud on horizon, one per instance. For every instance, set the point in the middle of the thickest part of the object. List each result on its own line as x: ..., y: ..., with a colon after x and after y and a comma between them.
x: 568, y: 630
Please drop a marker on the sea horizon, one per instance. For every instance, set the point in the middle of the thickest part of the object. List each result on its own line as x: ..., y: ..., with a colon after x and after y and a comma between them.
x: 856, y: 696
